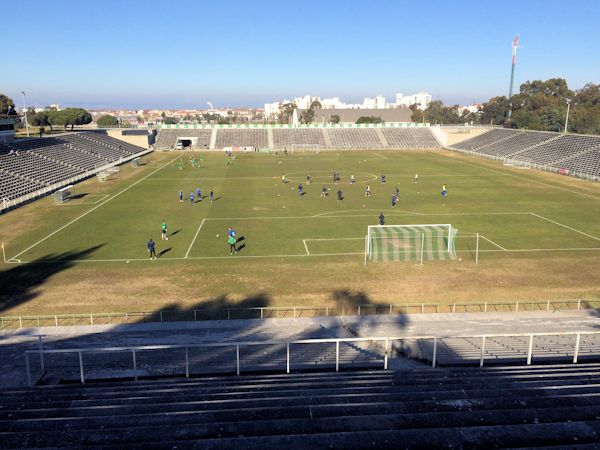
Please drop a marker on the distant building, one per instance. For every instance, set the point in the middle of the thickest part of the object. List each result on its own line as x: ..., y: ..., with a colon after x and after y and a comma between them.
x: 421, y: 99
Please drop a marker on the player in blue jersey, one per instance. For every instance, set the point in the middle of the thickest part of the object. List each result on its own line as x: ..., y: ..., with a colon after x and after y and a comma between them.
x: 199, y: 194
x: 444, y: 190
x: 192, y: 197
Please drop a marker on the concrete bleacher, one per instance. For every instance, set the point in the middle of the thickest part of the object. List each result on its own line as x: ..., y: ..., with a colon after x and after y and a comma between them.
x: 409, y: 138
x: 168, y: 138
x: 495, y: 407
x: 491, y: 137
x: 354, y: 138
x: 287, y: 138
x: 587, y: 163
x: 29, y: 165
x: 564, y: 147
x: 256, y: 138
x: 517, y: 143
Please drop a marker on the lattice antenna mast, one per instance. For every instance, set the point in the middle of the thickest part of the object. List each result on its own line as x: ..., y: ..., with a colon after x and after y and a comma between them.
x: 515, y: 45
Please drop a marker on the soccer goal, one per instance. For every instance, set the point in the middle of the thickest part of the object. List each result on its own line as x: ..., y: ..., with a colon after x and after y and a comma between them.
x: 306, y: 148
x: 432, y: 242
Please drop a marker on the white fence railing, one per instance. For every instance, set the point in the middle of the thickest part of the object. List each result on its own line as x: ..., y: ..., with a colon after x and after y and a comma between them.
x: 286, y: 312
x: 383, y: 342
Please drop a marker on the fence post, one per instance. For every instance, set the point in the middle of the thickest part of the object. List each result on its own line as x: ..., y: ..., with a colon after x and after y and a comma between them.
x: 576, y: 353
x: 20, y: 322
x: 261, y: 313
x: 288, y: 357
x: 237, y: 358
x: 73, y: 317
x: 434, y: 352
x: 391, y: 309
x: 326, y: 311
x: 517, y: 306
x: 41, y: 346
x: 530, y: 350
x: 161, y: 316
x: 453, y: 307
x: 294, y: 312
x: 91, y: 319
x: 422, y: 308
x: 187, y: 363
x: 359, y: 310
x: 485, y: 307
x: 81, y: 368
x: 548, y: 307
x: 29, y: 382
x: 135, y: 377
x: 194, y: 315
x: 337, y: 356
x: 385, y: 355
x: 578, y: 304
x: 482, y: 351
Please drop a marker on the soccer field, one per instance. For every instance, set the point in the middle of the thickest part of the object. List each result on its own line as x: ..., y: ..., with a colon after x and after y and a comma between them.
x: 524, y: 219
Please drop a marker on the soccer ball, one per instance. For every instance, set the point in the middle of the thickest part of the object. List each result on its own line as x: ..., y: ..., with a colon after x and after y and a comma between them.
x: 460, y: 259
x: 127, y: 261
x: 279, y: 162
x: 284, y: 206
x: 217, y: 235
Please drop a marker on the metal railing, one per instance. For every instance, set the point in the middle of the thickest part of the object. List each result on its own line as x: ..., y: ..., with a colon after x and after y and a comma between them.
x: 274, y: 312
x: 383, y: 342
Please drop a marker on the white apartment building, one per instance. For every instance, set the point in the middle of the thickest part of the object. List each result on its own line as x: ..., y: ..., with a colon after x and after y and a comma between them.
x: 422, y: 99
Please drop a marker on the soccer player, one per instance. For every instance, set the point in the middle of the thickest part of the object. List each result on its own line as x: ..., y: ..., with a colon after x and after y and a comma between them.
x: 192, y: 197
x: 231, y: 241
x: 211, y: 195
x: 324, y: 192
x: 308, y: 179
x: 368, y: 191
x: 199, y: 194
x: 340, y: 195
x: 381, y: 219
x: 300, y: 190
x: 163, y: 233
x: 283, y: 180
x: 181, y: 195
x: 394, y: 200
x: 397, y: 192
x: 416, y: 179
x: 444, y: 190
x: 231, y: 232
x: 382, y: 179
x: 352, y: 179
x: 152, y: 249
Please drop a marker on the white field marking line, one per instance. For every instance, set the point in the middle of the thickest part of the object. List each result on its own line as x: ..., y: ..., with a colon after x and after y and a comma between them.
x: 305, y: 247
x: 302, y: 255
x: 399, y: 211
x: 335, y: 239
x: 194, y: 240
x: 391, y: 212
x: 565, y: 226
x: 215, y: 178
x: 492, y: 242
x: 378, y: 155
x: 86, y: 203
x: 91, y: 210
x: 491, y: 169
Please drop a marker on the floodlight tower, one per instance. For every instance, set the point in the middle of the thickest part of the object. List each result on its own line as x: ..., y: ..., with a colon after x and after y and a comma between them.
x: 515, y: 45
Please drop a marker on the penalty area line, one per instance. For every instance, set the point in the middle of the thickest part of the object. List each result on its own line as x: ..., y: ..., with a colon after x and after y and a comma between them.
x: 194, y: 240
x: 104, y: 202
x: 492, y: 242
x: 564, y: 226
x: 305, y: 247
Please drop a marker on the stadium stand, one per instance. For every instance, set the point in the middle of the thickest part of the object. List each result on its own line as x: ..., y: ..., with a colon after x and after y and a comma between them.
x: 28, y: 165
x: 516, y: 143
x: 350, y: 138
x: 564, y: 147
x: 354, y: 138
x: 256, y: 138
x: 410, y: 138
x: 491, y: 137
x: 168, y: 138
x: 496, y: 407
x: 289, y: 137
x: 587, y: 163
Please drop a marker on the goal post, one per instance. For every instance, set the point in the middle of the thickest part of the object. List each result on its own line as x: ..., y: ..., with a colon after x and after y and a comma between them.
x: 308, y: 148
x: 432, y: 242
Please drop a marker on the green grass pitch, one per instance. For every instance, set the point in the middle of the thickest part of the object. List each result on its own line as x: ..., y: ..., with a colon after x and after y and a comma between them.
x: 512, y: 213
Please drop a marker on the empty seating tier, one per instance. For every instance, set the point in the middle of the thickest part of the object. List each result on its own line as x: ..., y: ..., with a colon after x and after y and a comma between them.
x: 256, y: 138
x: 169, y: 138
x: 488, y: 138
x: 306, y: 137
x: 354, y: 138
x: 564, y: 147
x: 499, y: 407
x: 29, y: 165
x: 587, y: 163
x: 409, y: 138
x: 517, y: 143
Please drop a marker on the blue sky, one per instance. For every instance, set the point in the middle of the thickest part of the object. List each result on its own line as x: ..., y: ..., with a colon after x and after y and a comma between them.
x: 146, y: 53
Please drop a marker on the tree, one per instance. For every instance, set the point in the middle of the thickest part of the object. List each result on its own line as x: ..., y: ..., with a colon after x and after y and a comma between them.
x: 437, y: 113
x: 495, y: 111
x: 369, y: 119
x: 286, y: 110
x: 417, y: 115
x: 6, y: 103
x: 335, y: 118
x: 170, y: 120
x: 308, y: 115
x: 107, y: 121
x: 40, y: 119
x: 70, y: 117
